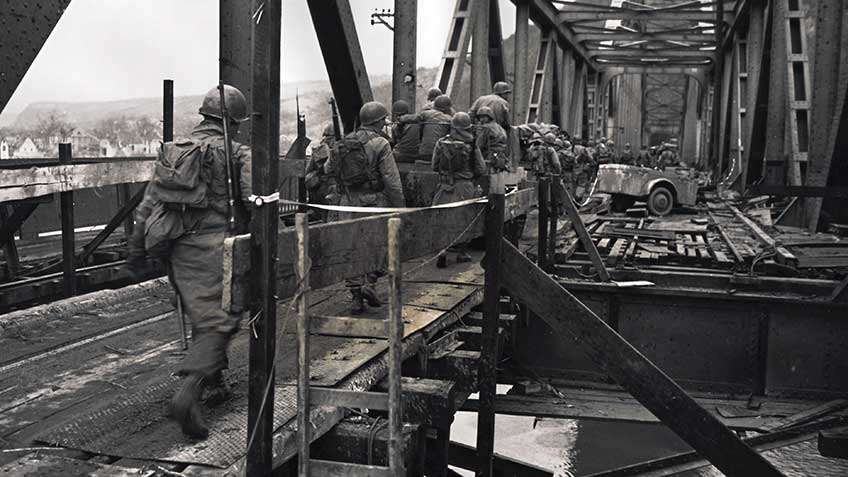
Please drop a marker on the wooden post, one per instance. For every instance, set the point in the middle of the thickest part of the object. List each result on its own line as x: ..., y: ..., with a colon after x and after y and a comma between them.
x: 487, y: 373
x: 265, y: 146
x: 543, y: 188
x: 10, y: 248
x: 124, y: 197
x: 395, y: 338
x: 303, y: 430
x: 69, y: 281
x: 168, y: 110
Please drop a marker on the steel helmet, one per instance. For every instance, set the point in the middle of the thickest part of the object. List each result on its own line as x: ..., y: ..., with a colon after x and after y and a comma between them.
x: 433, y: 93
x: 461, y: 121
x: 627, y: 145
x: 372, y: 112
x: 603, y: 139
x: 550, y: 138
x: 502, y: 87
x: 329, y: 131
x: 400, y: 107
x: 236, y: 104
x: 486, y: 111
x: 443, y: 103
x: 566, y: 145
x: 610, y: 143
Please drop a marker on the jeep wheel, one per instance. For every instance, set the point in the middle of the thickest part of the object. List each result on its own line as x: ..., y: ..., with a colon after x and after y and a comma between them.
x: 660, y: 201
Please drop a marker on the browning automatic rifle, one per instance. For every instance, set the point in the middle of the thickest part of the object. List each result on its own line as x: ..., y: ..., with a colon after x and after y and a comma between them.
x: 337, y: 130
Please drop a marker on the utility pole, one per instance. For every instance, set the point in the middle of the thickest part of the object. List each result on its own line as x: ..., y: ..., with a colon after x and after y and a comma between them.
x: 265, y: 144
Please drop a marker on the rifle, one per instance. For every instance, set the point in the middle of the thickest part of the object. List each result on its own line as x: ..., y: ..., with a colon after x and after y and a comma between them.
x: 337, y: 130
x: 232, y: 187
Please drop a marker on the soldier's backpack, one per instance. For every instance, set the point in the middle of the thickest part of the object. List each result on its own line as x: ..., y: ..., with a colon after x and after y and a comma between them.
x: 536, y: 156
x: 180, y: 179
x: 180, y: 182
x: 354, y: 169
x: 456, y: 157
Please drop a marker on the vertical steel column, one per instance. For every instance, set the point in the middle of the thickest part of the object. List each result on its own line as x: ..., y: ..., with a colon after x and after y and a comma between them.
x: 487, y: 371
x: 265, y: 145
x: 566, y: 85
x: 722, y: 125
x: 497, y: 69
x: 718, y: 73
x: 235, y: 60
x: 480, y: 49
x: 759, y: 44
x: 404, y: 78
x: 69, y: 276
x: 828, y: 100
x: 777, y: 95
x: 521, y: 83
x: 336, y: 30
x: 578, y: 100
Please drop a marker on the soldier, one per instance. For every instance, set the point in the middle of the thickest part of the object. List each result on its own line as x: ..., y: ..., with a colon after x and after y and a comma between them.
x: 603, y: 153
x: 498, y: 102
x: 432, y: 94
x: 491, y: 139
x: 584, y: 164
x: 566, y: 159
x: 321, y: 186
x: 627, y: 157
x: 644, y: 158
x: 186, y: 228
x: 542, y: 156
x: 459, y: 162
x: 612, y: 152
x: 367, y: 175
x: 434, y: 123
x: 405, y: 132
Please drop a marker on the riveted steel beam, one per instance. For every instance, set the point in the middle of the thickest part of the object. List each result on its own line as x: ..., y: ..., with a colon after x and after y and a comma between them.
x: 24, y: 27
x: 336, y: 30
x: 645, y: 36
x: 545, y: 15
x: 648, y: 54
x: 566, y: 16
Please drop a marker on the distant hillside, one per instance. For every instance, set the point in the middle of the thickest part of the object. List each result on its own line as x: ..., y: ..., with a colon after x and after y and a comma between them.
x: 313, y: 101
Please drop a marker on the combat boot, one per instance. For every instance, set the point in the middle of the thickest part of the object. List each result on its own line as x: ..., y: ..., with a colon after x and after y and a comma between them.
x: 357, y: 306
x: 185, y: 407
x: 370, y: 296
x: 216, y: 391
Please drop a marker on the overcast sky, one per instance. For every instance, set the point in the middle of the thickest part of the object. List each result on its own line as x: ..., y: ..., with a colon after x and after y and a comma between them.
x: 115, y: 49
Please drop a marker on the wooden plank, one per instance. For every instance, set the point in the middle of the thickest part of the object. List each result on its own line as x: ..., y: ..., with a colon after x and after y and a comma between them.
x: 37, y: 181
x: 347, y: 398
x: 644, y: 233
x: 785, y: 256
x: 633, y: 371
x: 810, y: 414
x: 580, y: 228
x: 336, y: 255
x: 326, y: 468
x: 348, y: 326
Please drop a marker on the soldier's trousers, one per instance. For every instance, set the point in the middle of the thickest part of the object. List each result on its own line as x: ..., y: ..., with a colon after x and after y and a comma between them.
x: 196, y: 271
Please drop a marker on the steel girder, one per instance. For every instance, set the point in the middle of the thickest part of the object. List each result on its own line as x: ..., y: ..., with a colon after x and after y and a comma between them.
x: 24, y: 27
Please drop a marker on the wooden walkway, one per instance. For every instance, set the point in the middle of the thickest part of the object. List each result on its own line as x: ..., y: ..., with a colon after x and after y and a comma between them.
x: 93, y: 374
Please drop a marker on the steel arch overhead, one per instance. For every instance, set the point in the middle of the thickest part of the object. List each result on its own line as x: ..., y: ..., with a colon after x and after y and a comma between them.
x: 25, y: 26
x: 333, y: 21
x: 545, y: 15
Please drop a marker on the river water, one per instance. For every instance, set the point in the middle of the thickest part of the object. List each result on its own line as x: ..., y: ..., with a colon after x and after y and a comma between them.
x: 568, y: 447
